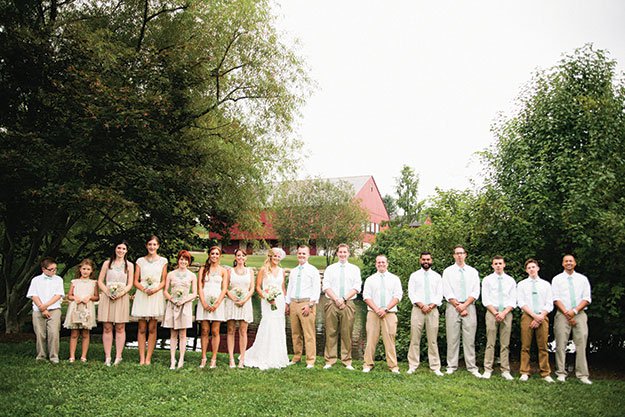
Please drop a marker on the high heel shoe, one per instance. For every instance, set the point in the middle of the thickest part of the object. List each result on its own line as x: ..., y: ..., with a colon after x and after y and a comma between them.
x: 180, y: 363
x: 232, y: 365
x: 83, y: 360
x: 241, y: 364
x: 172, y: 365
x: 117, y: 361
x: 203, y: 363
x: 107, y: 361
x: 213, y: 364
x: 71, y: 360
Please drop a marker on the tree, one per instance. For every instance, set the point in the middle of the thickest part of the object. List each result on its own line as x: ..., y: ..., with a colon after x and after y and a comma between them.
x: 390, y: 203
x: 320, y: 211
x: 407, y: 189
x: 122, y: 119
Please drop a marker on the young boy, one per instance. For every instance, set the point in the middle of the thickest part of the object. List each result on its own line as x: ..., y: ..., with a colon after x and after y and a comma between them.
x: 46, y: 291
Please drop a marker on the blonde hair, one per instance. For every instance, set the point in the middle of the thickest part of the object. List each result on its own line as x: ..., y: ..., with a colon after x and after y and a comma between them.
x: 86, y: 261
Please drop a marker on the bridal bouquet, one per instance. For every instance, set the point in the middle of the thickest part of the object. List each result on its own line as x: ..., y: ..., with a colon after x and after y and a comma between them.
x: 211, y: 301
x: 239, y: 293
x: 149, y: 281
x: 115, y: 289
x: 178, y: 294
x: 271, y: 293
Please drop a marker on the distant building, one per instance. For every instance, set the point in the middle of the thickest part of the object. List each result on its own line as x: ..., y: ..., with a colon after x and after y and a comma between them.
x: 365, y: 190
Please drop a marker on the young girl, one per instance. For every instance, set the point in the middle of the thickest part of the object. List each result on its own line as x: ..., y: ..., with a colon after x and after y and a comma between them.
x: 180, y: 291
x: 239, y: 306
x: 149, y: 304
x: 213, y: 285
x: 81, y: 312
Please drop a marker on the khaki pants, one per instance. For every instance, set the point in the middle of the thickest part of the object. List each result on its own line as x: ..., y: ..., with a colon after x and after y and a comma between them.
x: 542, y: 338
x: 303, y: 332
x: 562, y: 330
x: 47, y: 332
x: 339, y: 323
x: 417, y: 320
x: 455, y: 323
x: 388, y: 327
x: 505, y: 328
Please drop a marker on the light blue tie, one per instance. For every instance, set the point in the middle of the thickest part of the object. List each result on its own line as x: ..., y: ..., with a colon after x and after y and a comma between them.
x: 463, y: 286
x: 535, y: 297
x: 342, y: 282
x: 382, y: 292
x: 500, y: 291
x: 572, y: 292
x: 426, y: 287
x: 298, y: 284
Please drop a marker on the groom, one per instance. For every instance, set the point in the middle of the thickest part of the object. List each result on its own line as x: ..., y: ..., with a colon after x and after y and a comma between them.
x: 302, y: 295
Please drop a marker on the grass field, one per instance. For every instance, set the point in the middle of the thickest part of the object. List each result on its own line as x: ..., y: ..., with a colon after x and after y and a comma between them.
x: 35, y: 388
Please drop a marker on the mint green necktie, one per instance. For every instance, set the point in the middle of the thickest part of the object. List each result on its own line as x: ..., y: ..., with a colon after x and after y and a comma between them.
x: 500, y: 291
x: 463, y: 286
x: 298, y: 284
x: 535, y: 297
x: 426, y: 287
x: 342, y: 282
x: 382, y: 292
x: 572, y: 292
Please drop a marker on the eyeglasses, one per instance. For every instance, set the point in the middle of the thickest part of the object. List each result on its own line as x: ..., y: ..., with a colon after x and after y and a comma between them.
x: 459, y: 253
x: 50, y: 269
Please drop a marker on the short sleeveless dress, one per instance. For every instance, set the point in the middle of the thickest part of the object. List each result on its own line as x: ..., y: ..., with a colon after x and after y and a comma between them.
x: 117, y: 310
x: 145, y: 306
x: 179, y: 317
x: 234, y: 312
x: 82, y: 289
x: 212, y: 289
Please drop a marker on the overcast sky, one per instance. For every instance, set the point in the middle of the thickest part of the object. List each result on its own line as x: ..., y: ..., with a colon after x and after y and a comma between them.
x: 421, y: 82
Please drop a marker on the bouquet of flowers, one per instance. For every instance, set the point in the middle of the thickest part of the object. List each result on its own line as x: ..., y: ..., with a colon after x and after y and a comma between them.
x: 271, y: 293
x: 148, y: 282
x: 211, y: 301
x: 115, y: 289
x: 239, y: 293
x: 178, y: 294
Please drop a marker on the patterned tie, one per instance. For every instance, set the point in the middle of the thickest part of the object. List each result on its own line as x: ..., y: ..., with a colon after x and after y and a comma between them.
x: 500, y: 291
x: 298, y: 284
x: 572, y: 292
x: 382, y: 291
x: 463, y: 286
x: 535, y: 297
x: 426, y: 286
x: 342, y: 282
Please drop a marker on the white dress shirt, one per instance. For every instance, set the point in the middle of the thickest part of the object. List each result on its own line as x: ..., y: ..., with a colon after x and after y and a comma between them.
x: 45, y: 288
x: 382, y: 288
x: 490, y: 291
x: 544, y: 295
x: 416, y: 287
x: 351, y: 279
x: 560, y: 289
x: 309, y: 283
x: 452, y: 285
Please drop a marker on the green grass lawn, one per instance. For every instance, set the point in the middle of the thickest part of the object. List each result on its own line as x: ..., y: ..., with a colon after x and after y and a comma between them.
x: 33, y: 388
x: 257, y: 260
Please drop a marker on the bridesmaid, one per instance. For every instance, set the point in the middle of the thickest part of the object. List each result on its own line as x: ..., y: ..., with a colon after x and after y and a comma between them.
x: 238, y: 305
x: 180, y: 291
x: 149, y: 304
x: 213, y: 285
x: 115, y: 281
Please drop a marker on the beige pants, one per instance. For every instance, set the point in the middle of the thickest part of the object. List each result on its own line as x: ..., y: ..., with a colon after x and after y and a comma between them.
x: 454, y: 324
x: 562, y: 330
x: 339, y: 323
x: 303, y: 332
x: 47, y: 332
x: 388, y: 327
x: 417, y: 320
x: 505, y: 328
x: 542, y: 338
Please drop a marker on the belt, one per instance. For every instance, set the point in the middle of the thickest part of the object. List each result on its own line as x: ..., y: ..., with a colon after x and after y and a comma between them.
x: 300, y: 300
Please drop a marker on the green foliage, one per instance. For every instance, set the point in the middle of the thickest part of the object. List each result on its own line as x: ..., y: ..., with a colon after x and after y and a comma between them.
x: 390, y: 203
x: 407, y: 189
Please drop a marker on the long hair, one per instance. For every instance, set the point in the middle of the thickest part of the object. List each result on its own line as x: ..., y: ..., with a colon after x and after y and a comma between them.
x: 85, y: 262
x: 207, y: 264
x: 234, y: 262
x: 114, y: 256
x: 267, y: 264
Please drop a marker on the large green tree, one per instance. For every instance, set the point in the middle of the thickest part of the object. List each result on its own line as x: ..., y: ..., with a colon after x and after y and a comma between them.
x: 407, y: 190
x: 121, y: 119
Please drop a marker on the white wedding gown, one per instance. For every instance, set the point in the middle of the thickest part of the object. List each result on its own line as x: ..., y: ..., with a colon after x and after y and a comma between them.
x: 269, y: 349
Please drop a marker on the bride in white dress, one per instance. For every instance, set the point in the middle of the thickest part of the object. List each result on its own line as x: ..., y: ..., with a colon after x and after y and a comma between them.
x: 269, y: 349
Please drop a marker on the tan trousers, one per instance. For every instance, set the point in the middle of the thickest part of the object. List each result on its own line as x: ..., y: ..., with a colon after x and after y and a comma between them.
x: 388, y: 327
x: 303, y: 332
x: 454, y: 324
x: 505, y: 328
x: 542, y: 338
x: 430, y: 321
x: 339, y: 323
x: 47, y: 332
x: 562, y: 330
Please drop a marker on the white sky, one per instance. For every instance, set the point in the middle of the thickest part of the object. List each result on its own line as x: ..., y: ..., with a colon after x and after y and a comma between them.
x: 421, y: 82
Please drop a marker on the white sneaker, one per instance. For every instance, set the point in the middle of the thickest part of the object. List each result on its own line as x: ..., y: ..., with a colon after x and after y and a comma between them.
x: 349, y: 367
x: 438, y: 373
x: 291, y: 363
x: 585, y: 380
x: 561, y: 378
x: 310, y: 366
x: 524, y: 377
x: 476, y: 374
x: 486, y: 375
x: 327, y: 366
x: 450, y: 371
x: 395, y: 371
x: 366, y: 370
x: 548, y: 379
x: 507, y: 376
x: 411, y: 371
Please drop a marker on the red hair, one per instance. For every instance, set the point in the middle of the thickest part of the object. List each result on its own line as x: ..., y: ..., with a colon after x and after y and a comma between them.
x: 184, y: 254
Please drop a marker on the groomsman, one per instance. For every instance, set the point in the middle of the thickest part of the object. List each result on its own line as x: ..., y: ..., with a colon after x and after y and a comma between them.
x: 499, y: 298
x: 461, y: 287
x: 571, y: 296
x: 381, y: 293
x: 535, y: 299
x: 302, y: 296
x: 425, y: 289
x: 341, y: 284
